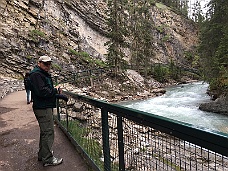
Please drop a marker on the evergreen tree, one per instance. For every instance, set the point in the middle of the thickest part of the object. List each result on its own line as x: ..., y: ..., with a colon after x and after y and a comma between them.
x: 184, y: 7
x: 141, y: 31
x: 178, y: 5
x: 117, y: 34
x: 214, y: 45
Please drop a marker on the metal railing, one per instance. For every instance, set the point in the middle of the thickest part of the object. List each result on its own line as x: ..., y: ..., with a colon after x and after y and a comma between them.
x: 93, y: 76
x: 113, y: 137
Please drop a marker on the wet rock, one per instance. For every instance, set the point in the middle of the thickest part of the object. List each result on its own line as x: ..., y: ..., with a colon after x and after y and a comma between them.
x: 220, y: 105
x: 78, y: 107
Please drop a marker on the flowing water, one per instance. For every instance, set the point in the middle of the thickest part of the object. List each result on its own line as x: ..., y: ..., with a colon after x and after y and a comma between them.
x: 181, y: 103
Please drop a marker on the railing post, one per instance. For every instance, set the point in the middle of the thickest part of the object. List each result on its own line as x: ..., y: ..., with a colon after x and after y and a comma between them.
x: 56, y: 79
x: 57, y: 102
x: 67, y: 119
x: 105, y: 137
x: 76, y: 78
x: 57, y: 105
x: 120, y: 143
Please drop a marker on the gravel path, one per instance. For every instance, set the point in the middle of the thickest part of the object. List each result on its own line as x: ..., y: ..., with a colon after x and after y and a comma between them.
x: 19, y: 139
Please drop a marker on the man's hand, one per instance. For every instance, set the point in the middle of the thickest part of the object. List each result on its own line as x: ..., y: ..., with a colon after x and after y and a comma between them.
x: 61, y: 96
x: 59, y: 90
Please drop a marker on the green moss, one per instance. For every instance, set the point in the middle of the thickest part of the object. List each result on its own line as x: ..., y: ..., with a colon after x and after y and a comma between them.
x: 165, y: 38
x: 37, y: 33
x: 161, y: 6
x: 73, y: 52
x: 84, y: 56
x: 57, y: 67
x: 79, y: 54
x: 91, y: 146
x: 29, y: 57
x: 188, y: 55
x: 160, y: 29
x: 100, y: 63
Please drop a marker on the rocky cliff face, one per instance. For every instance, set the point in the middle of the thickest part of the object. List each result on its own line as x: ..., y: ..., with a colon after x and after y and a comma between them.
x: 30, y: 28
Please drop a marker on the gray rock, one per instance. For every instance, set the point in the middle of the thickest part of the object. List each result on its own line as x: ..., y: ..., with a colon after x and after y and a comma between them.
x: 220, y: 105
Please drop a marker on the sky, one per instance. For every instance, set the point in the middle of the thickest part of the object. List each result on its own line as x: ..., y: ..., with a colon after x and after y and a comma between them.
x: 203, y: 3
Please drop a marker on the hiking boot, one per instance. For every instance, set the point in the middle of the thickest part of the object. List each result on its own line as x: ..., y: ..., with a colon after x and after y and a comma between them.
x: 55, y: 161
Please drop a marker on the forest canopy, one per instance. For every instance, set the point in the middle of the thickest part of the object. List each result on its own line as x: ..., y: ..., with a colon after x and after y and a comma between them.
x: 213, y: 26
x: 213, y: 46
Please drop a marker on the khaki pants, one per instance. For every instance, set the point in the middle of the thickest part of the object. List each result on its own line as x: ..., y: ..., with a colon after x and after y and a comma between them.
x: 46, y: 124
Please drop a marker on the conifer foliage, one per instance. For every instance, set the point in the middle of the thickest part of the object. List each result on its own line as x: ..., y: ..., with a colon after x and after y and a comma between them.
x: 116, y: 21
x: 131, y: 28
x: 214, y: 45
x: 141, y: 30
x: 132, y: 31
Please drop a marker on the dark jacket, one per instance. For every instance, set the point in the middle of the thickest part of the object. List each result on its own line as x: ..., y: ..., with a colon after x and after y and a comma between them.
x: 26, y: 83
x: 43, y: 92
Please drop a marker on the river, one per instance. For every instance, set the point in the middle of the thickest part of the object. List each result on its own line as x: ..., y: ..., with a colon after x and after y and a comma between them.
x: 181, y: 103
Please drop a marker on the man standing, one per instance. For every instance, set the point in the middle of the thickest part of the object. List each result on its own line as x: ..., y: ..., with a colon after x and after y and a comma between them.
x: 44, y: 100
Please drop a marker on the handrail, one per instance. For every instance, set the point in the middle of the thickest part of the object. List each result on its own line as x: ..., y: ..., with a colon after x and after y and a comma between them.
x: 215, y: 141
x: 130, y: 139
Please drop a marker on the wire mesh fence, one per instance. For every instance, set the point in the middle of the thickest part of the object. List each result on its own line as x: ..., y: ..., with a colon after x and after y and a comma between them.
x: 147, y: 149
x: 115, y: 140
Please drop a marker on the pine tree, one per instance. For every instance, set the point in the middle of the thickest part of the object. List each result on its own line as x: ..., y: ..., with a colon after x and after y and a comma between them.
x: 141, y: 31
x: 214, y: 45
x: 116, y: 23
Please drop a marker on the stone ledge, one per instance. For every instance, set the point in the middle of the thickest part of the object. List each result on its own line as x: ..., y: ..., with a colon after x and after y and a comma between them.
x: 220, y: 105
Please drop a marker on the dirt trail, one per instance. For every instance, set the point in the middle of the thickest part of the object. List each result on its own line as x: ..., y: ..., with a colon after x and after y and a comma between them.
x: 19, y: 139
